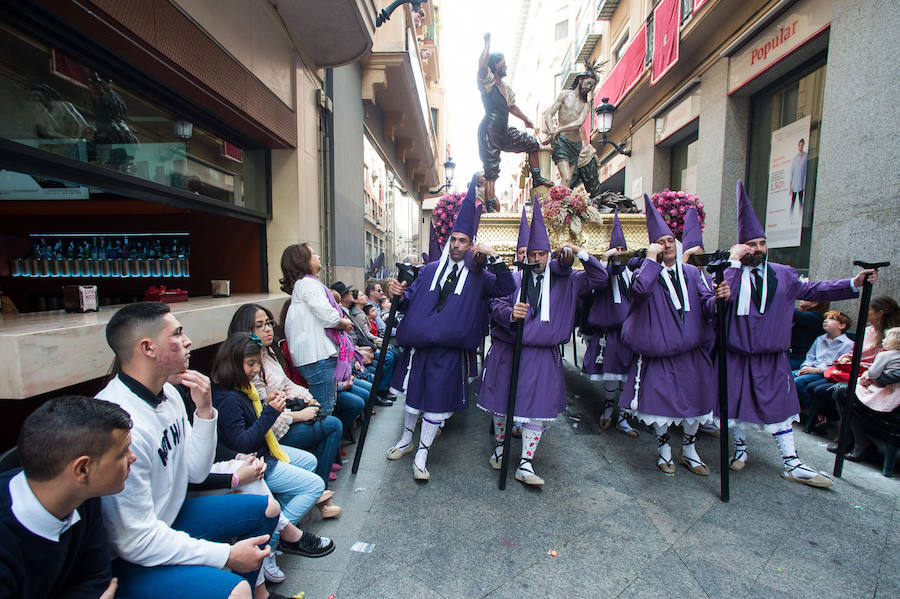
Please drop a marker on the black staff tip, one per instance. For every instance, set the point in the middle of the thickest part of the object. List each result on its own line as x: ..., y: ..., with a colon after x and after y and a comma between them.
x: 862, y: 264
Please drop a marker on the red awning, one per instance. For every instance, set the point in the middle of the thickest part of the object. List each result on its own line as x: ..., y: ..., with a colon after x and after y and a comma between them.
x: 666, y: 35
x: 627, y: 71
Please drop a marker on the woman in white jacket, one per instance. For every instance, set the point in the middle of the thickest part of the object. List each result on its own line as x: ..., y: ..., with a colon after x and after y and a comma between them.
x: 314, y: 325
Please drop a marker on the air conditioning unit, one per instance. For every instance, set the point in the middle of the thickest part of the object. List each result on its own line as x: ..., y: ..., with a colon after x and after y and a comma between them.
x: 324, y: 101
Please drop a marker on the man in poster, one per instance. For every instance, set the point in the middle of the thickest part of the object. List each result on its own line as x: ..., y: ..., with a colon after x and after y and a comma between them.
x: 798, y: 177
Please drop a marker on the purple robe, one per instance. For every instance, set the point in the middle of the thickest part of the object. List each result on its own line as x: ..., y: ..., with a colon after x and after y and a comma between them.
x: 672, y: 374
x: 434, y: 367
x: 760, y: 383
x: 541, y: 391
x: 605, y: 320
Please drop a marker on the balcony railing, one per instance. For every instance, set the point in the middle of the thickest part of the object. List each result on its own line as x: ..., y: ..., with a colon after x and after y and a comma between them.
x: 589, y: 39
x: 606, y: 8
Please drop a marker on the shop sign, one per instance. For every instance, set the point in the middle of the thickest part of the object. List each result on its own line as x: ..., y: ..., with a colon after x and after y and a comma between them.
x: 787, y: 184
x: 803, y: 22
x: 674, y: 119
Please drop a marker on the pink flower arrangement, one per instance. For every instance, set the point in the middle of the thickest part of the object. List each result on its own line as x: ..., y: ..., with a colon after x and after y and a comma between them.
x: 445, y: 213
x: 568, y: 209
x: 673, y: 205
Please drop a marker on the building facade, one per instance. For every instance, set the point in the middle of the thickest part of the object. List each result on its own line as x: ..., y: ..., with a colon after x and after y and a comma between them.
x: 784, y: 95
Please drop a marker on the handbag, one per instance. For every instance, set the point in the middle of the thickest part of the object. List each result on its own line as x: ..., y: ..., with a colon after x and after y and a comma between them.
x: 839, y: 372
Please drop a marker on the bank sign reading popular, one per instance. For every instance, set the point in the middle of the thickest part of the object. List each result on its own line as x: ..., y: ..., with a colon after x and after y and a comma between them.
x: 804, y: 21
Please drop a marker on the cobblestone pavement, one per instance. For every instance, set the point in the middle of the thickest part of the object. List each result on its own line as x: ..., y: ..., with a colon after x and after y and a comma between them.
x: 619, y: 526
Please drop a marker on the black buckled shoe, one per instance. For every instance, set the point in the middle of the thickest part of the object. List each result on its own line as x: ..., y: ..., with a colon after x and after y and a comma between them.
x: 309, y: 545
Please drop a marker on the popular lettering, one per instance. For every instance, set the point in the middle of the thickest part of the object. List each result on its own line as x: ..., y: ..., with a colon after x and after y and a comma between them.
x: 783, y: 34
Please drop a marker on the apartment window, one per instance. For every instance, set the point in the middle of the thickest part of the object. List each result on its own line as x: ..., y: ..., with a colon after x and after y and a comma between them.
x: 434, y: 118
x: 562, y: 30
x: 620, y: 47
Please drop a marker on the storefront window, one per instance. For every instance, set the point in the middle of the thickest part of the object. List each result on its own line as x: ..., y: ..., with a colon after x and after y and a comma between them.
x: 54, y: 103
x: 792, y: 104
x: 684, y: 165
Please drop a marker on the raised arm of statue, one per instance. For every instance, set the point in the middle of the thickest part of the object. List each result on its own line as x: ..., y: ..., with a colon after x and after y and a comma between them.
x: 483, y: 59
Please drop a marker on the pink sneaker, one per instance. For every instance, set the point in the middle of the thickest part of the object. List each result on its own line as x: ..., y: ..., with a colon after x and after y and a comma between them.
x: 335, y: 467
x: 332, y: 477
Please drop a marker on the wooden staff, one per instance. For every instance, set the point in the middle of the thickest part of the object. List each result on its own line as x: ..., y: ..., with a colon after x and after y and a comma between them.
x: 854, y: 364
x: 519, y: 325
x: 407, y: 273
x: 717, y: 269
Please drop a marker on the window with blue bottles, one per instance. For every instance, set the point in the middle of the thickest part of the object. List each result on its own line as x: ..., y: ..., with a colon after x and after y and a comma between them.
x: 100, y: 255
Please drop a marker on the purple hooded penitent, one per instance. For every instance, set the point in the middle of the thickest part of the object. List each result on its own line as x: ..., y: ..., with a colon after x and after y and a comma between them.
x: 691, y: 237
x: 537, y: 239
x: 467, y: 220
x: 524, y: 231
x: 617, y: 236
x: 748, y: 225
x: 656, y: 226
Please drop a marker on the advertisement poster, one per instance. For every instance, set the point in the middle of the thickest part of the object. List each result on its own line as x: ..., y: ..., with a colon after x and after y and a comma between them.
x: 787, y: 184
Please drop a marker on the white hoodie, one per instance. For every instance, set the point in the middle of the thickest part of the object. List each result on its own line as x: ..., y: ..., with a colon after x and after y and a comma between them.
x: 170, y: 453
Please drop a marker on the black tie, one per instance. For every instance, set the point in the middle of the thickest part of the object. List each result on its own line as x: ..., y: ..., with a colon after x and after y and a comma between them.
x: 756, y: 290
x: 448, y: 287
x: 534, y: 297
x: 673, y: 275
x: 624, y: 290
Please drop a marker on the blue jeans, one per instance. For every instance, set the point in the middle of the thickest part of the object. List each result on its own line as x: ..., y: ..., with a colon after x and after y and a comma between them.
x: 295, y: 484
x: 216, y: 518
x: 349, y: 406
x: 321, y: 437
x: 802, y: 381
x: 320, y: 378
x: 387, y: 372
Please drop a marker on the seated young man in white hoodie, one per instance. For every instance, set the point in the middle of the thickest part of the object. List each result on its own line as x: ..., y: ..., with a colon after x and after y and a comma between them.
x: 166, y: 545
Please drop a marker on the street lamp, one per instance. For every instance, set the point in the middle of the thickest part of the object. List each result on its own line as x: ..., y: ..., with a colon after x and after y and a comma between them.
x: 449, y: 168
x: 385, y: 13
x: 604, y: 125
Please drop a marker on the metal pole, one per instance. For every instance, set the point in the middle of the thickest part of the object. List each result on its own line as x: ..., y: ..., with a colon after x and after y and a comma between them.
x: 405, y: 273
x: 854, y: 365
x: 718, y: 269
x: 525, y: 269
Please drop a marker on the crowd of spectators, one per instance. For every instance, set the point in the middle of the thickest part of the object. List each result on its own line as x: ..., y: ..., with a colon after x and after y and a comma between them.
x: 174, y: 483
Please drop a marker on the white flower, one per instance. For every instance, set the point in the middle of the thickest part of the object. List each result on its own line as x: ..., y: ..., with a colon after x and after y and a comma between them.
x: 593, y: 214
x: 575, y: 226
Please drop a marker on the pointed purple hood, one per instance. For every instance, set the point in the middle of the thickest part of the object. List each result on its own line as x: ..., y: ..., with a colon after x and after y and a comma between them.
x: 524, y: 231
x: 616, y: 236
x: 537, y: 238
x: 434, y: 248
x: 467, y: 220
x: 748, y: 225
x: 692, y: 236
x: 656, y: 225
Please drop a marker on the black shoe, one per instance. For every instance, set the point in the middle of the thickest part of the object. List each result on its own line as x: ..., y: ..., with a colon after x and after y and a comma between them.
x: 378, y: 401
x: 540, y: 181
x: 387, y: 395
x: 309, y: 545
x: 859, y: 455
x: 832, y: 447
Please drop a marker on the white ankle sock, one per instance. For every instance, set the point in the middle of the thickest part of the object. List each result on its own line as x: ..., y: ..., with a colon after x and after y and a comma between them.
x: 662, y: 442
x: 740, y: 443
x: 426, y: 438
x: 531, y: 436
x: 499, y: 435
x: 409, y: 426
x: 785, y: 440
x: 688, y: 445
x: 622, y: 422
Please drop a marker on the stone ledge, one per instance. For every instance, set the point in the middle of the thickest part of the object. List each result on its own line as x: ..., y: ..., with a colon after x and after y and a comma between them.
x: 44, y: 351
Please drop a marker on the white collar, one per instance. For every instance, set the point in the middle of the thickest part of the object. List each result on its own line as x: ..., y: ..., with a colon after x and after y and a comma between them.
x: 545, y: 292
x: 33, y: 515
x: 445, y: 259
